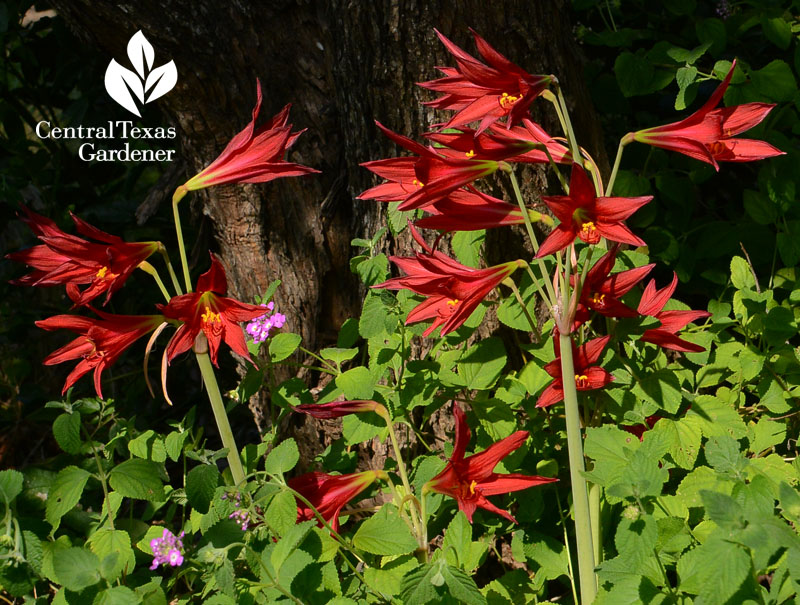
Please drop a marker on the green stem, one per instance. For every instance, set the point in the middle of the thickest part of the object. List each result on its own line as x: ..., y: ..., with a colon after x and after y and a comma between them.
x: 570, y: 133
x: 551, y: 298
x: 220, y: 415
x: 570, y: 567
x: 165, y: 255
x: 333, y: 369
x: 615, y: 169
x: 580, y: 496
x: 176, y: 198
x: 101, y: 475
x: 594, y: 514
x: 151, y: 270
x: 561, y: 178
x: 534, y: 328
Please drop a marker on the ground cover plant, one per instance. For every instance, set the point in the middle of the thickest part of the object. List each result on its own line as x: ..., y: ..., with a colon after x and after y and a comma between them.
x: 610, y: 444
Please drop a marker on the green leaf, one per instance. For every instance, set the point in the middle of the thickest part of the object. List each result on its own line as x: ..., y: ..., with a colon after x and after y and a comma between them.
x: 702, y: 478
x: 117, y: 595
x: 765, y: 434
x: 685, y: 77
x: 283, y: 345
x: 722, y: 509
x: 546, y: 555
x: 149, y: 446
x: 482, y: 364
x: 716, y: 417
x: 397, y: 219
x: 357, y: 428
x: 461, y: 586
x: 338, y: 355
x: 774, y: 81
x: 201, y: 483
x: 282, y: 458
x: 777, y: 31
x: 779, y: 325
x: 683, y: 436
x: 681, y: 55
x: 174, y: 444
x: 385, y: 533
x: 713, y: 31
x: 76, y: 568
x: 281, y: 513
x: 741, y: 276
x: 67, y: 431
x: 289, y: 543
x: 64, y: 494
x: 10, y: 485
x: 760, y: 208
x: 419, y: 585
x: 661, y: 388
x: 371, y: 270
x: 458, y: 547
x: 724, y: 567
x: 466, y: 246
x: 139, y: 479
x: 105, y: 542
x: 357, y: 383
x: 636, y: 540
x: 373, y: 316
x: 722, y: 453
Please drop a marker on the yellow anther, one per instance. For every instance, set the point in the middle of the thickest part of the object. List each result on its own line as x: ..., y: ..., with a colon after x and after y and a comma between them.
x: 102, y: 272
x: 472, y: 487
x: 588, y: 226
x: 507, y: 100
x: 597, y: 298
x: 453, y: 302
x: 581, y: 380
x: 471, y: 153
x: 417, y: 183
x: 209, y: 317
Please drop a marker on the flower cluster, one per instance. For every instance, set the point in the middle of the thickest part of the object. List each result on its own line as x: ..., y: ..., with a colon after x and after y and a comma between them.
x: 167, y: 550
x: 259, y: 329
x: 241, y: 515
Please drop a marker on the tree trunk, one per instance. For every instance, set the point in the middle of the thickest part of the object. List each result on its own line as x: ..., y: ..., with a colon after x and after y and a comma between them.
x: 342, y: 64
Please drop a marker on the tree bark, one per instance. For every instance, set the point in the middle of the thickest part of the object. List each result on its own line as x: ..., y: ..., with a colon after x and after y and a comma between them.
x: 343, y: 64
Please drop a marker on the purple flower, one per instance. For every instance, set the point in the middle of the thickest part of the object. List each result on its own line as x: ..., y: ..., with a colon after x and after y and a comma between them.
x: 167, y: 550
x: 259, y: 329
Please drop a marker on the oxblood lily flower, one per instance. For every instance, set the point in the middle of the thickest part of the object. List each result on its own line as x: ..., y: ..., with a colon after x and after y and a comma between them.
x: 467, y: 143
x: 329, y: 493
x: 652, y: 303
x: 587, y: 375
x: 337, y: 409
x: 68, y: 259
x: 469, y: 480
x: 707, y: 134
x: 601, y: 291
x: 253, y: 155
x: 588, y: 217
x: 453, y: 290
x: 468, y: 210
x: 485, y: 93
x: 100, y: 341
x: 421, y: 181
x: 534, y: 134
x: 208, y: 310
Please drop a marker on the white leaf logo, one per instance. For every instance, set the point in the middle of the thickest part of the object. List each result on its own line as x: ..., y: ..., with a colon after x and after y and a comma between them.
x: 144, y: 85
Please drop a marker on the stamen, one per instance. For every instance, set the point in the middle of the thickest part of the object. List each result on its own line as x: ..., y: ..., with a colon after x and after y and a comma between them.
x: 209, y: 317
x: 589, y: 232
x: 417, y: 183
x: 507, y: 100
x: 102, y: 272
x: 472, y: 487
x: 471, y: 153
x: 453, y: 302
x: 581, y: 381
x: 598, y: 299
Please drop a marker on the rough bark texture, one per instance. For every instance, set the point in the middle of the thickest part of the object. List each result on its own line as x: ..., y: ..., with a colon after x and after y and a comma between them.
x: 343, y: 64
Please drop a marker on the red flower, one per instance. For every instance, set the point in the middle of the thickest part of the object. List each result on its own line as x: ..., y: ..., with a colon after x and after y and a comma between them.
x: 329, y: 493
x: 467, y: 143
x: 601, y: 291
x: 469, y: 209
x: 209, y: 311
x: 588, y: 217
x: 421, y: 181
x: 477, y: 91
x: 337, y: 409
x: 73, y: 261
x: 535, y: 135
x: 587, y: 375
x: 453, y: 291
x: 253, y: 155
x: 100, y: 341
x: 707, y: 134
x: 469, y: 480
x: 652, y: 303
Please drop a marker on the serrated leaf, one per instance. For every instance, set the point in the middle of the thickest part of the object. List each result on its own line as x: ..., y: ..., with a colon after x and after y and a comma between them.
x: 118, y: 595
x: 466, y: 246
x: 765, y: 434
x: 64, y: 494
x: 419, y: 585
x: 289, y: 542
x: 282, y: 458
x: 461, y: 586
x: 281, y: 513
x: 105, y: 542
x: 139, y: 479
x: 201, y: 483
x: 373, y: 316
x: 76, y: 568
x: 482, y: 364
x: 11, y: 482
x: 741, y: 276
x: 357, y: 383
x: 636, y: 540
x: 173, y: 444
x: 148, y: 446
x: 385, y: 533
x: 67, y: 431
x: 716, y: 417
x: 725, y: 566
x: 283, y: 345
x: 338, y: 355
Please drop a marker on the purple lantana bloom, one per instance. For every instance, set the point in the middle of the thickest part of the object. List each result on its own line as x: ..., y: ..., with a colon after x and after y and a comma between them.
x: 167, y: 550
x: 259, y: 329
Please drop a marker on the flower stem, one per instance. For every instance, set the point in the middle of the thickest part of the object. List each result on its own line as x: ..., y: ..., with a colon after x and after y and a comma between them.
x: 617, y: 160
x: 176, y: 198
x: 594, y: 514
x: 534, y: 328
x: 220, y: 415
x: 175, y: 283
x: 580, y: 496
x: 570, y: 133
x: 151, y: 270
x: 567, y: 548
